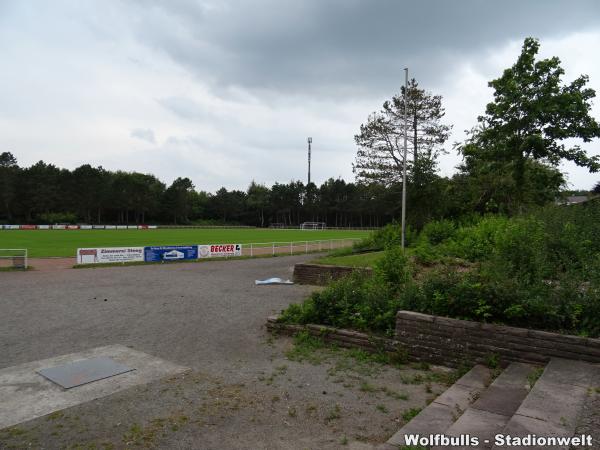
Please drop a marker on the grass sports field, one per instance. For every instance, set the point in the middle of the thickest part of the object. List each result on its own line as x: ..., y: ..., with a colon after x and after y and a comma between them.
x: 41, y: 243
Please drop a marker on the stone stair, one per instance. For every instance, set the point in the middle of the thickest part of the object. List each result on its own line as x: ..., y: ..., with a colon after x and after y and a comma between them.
x: 440, y: 414
x: 553, y: 405
x: 479, y: 407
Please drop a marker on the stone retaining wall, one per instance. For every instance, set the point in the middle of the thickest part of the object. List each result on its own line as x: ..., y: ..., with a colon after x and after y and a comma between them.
x: 452, y: 342
x: 321, y: 275
x: 341, y: 337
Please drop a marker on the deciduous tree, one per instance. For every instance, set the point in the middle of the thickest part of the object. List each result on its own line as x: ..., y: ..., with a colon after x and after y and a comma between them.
x: 525, y: 127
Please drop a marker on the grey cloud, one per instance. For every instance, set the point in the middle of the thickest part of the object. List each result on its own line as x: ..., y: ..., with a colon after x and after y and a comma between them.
x: 185, y: 107
x: 240, y: 84
x: 144, y: 134
x: 342, y: 47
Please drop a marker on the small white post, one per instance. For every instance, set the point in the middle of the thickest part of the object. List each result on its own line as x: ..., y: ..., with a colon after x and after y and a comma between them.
x: 273, y: 248
x: 251, y: 252
x: 291, y: 248
x: 306, y: 246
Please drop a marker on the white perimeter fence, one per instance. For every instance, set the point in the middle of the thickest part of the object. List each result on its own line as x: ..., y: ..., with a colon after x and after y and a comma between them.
x: 295, y: 247
x: 13, y: 257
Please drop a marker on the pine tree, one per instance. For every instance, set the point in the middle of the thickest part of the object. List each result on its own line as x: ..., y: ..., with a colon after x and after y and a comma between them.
x: 381, y: 140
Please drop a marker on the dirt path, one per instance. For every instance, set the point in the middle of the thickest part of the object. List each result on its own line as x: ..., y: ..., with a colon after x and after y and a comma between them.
x: 51, y: 264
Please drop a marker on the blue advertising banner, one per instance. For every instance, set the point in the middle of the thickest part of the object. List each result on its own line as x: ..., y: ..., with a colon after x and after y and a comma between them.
x: 170, y: 253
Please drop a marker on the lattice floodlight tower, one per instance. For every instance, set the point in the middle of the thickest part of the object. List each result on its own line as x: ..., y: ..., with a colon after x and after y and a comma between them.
x: 313, y: 226
x: 15, y: 258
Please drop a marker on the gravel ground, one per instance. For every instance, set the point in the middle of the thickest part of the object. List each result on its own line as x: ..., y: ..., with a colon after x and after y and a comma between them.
x: 243, y: 390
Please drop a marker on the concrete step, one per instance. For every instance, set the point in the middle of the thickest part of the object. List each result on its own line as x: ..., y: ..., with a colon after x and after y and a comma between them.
x: 491, y: 412
x: 553, y: 405
x: 439, y: 415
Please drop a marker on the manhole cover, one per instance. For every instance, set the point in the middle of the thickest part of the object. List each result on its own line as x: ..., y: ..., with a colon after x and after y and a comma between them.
x: 84, y: 371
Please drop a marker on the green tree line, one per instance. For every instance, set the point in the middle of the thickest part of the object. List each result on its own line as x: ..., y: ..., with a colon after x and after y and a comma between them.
x: 44, y: 193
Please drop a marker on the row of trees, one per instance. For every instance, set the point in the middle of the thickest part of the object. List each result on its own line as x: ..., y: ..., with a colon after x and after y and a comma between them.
x: 44, y: 193
x: 510, y: 162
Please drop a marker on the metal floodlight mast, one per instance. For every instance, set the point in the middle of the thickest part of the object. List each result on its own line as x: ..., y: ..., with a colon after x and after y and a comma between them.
x: 405, y: 155
x: 309, y: 142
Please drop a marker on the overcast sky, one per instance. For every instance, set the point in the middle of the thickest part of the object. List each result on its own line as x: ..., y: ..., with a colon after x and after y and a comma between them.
x: 225, y: 92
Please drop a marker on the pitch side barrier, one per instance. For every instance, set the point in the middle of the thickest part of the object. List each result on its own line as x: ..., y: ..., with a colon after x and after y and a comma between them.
x: 78, y: 227
x: 169, y: 253
x: 154, y: 227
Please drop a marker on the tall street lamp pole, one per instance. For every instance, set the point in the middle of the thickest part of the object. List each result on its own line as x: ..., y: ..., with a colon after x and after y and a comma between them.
x: 405, y: 157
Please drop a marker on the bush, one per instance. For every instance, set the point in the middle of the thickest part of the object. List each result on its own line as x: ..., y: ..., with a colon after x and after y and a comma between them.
x: 438, y: 231
x: 521, y: 250
x: 394, y: 268
x: 478, y: 241
x: 388, y: 236
x: 540, y: 270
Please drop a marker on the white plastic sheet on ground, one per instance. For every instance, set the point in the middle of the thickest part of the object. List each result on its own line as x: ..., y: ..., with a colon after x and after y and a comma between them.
x: 273, y: 281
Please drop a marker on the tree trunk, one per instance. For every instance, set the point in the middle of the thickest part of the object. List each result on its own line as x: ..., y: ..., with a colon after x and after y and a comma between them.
x: 415, y: 138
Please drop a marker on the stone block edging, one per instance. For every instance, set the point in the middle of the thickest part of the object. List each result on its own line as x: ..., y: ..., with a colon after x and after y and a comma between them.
x: 339, y: 336
x: 443, y: 340
x: 322, y: 274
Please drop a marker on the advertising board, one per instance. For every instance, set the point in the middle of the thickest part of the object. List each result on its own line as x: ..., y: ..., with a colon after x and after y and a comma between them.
x: 219, y: 250
x: 109, y: 255
x: 170, y: 253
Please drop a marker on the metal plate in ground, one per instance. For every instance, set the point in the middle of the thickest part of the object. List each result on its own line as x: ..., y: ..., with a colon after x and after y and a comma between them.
x: 84, y: 371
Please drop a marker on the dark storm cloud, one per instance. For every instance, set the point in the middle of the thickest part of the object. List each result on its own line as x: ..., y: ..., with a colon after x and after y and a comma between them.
x: 187, y: 87
x: 343, y: 47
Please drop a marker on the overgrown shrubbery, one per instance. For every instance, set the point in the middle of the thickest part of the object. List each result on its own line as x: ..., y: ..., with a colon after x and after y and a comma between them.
x: 387, y: 236
x: 358, y: 301
x: 540, y: 270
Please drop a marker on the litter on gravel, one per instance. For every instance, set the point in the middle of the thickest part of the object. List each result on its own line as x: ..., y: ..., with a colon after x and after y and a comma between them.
x: 272, y: 281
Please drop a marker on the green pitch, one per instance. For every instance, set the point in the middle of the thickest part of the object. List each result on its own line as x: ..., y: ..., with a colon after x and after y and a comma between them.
x: 42, y: 243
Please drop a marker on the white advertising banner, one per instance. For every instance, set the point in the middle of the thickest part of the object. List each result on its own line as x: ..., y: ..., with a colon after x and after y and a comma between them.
x: 109, y: 255
x: 219, y: 250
